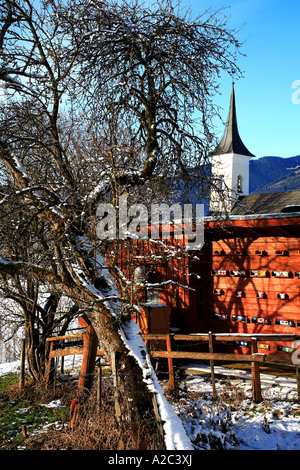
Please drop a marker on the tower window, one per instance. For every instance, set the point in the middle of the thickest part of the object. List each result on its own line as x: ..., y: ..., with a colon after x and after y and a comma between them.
x: 220, y: 182
x: 239, y: 184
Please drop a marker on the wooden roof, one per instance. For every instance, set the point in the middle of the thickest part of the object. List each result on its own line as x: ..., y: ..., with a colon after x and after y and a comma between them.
x: 268, y: 203
x: 264, y: 225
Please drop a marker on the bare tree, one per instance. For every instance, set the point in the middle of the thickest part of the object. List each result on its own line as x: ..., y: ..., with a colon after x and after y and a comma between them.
x: 102, y: 100
x: 158, y: 69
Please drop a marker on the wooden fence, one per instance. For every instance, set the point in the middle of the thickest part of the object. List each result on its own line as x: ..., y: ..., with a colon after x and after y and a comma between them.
x: 255, y: 358
x: 66, y: 350
x: 89, y: 351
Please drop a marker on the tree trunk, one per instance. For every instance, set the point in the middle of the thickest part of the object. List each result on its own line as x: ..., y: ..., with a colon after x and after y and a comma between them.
x: 133, y: 399
x: 31, y: 345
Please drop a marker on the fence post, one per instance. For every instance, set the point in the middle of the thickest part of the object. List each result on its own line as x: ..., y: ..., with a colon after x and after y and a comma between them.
x: 62, y: 359
x: 99, y: 383
x: 298, y: 380
x: 90, y: 344
x: 256, y: 387
x: 170, y: 364
x: 212, y: 370
x: 22, y: 365
x: 24, y: 430
x: 118, y: 411
x: 49, y: 368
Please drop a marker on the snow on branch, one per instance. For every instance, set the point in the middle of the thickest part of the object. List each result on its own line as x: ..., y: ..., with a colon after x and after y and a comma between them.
x: 98, y: 190
x: 108, y: 295
x: 16, y: 168
x: 35, y: 190
x: 22, y: 267
x: 164, y: 283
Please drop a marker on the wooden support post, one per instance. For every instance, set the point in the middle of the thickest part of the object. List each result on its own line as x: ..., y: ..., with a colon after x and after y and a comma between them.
x: 62, y: 359
x: 22, y: 365
x: 73, y: 413
x: 256, y: 387
x: 24, y: 430
x: 118, y: 412
x: 99, y: 383
x: 50, y: 365
x: 212, y: 370
x: 90, y: 344
x: 62, y: 365
x: 298, y: 380
x: 170, y: 363
x: 89, y: 354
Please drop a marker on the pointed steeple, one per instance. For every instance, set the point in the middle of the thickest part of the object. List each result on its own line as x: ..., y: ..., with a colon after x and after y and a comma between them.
x: 231, y: 141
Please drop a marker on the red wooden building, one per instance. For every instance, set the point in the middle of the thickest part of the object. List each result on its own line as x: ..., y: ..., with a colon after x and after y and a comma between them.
x: 255, y: 253
x: 245, y: 279
x: 255, y: 275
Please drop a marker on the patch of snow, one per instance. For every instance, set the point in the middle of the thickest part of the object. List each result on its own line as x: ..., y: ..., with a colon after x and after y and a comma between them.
x: 8, y: 367
x: 53, y: 404
x: 243, y: 375
x: 273, y: 424
x: 22, y: 410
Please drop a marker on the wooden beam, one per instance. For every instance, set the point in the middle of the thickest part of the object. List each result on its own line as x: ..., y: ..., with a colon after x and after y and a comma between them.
x: 155, y: 336
x: 237, y: 337
x: 279, y: 359
x: 210, y: 356
x: 60, y: 338
x: 222, y: 337
x: 72, y: 352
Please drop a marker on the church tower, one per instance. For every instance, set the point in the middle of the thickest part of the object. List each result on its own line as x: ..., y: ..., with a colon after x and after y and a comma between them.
x: 229, y: 166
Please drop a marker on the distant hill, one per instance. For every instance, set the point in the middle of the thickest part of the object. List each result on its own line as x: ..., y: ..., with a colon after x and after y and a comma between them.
x: 274, y: 174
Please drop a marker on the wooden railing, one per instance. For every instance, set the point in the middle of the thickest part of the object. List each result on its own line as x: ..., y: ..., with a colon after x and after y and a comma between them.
x: 65, y: 350
x: 89, y: 351
x: 255, y: 358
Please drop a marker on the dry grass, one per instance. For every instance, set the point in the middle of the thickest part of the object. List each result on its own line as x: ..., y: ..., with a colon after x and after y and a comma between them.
x: 231, y: 393
x: 95, y: 427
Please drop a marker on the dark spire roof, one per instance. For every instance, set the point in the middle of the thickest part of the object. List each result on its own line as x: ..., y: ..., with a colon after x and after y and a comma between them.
x: 231, y: 141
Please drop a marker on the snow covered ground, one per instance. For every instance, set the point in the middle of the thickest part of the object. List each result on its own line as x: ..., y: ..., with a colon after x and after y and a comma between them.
x: 273, y: 424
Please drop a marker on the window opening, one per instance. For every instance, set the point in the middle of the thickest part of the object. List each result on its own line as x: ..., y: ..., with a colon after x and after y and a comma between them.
x: 200, y: 304
x: 239, y: 184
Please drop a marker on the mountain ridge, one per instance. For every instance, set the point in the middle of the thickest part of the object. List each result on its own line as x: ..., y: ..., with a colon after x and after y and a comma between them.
x: 271, y: 174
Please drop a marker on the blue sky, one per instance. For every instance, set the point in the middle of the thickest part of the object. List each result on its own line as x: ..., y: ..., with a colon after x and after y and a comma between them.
x: 268, y: 108
x: 268, y: 119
